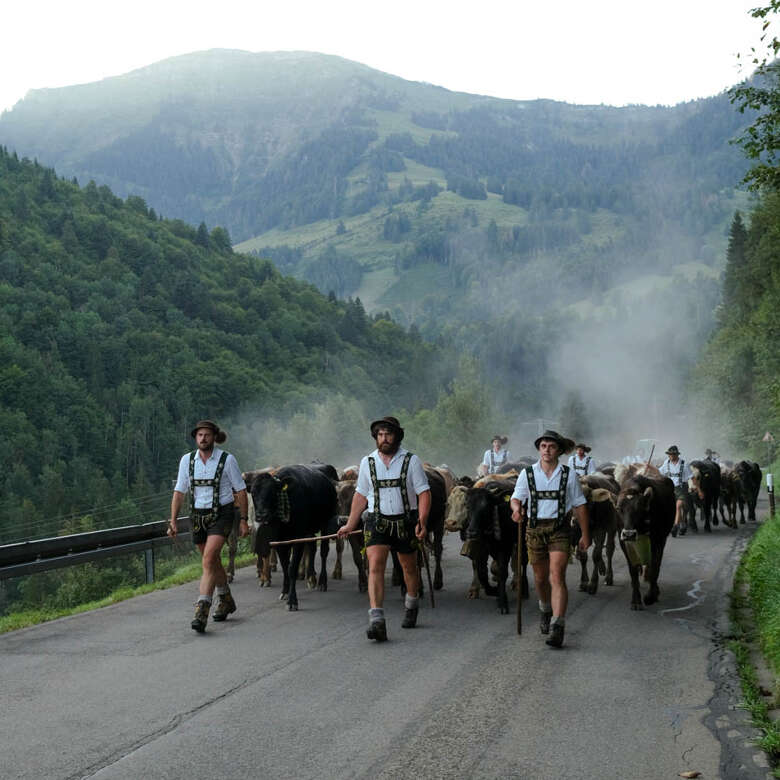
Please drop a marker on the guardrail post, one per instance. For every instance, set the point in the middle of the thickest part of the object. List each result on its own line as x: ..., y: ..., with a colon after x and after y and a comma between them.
x: 149, y: 560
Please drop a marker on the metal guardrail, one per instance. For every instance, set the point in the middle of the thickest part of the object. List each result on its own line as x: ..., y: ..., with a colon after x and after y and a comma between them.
x: 22, y: 558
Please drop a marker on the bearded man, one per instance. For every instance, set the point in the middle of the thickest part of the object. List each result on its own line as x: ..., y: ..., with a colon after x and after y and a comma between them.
x: 213, y: 480
x: 393, y: 491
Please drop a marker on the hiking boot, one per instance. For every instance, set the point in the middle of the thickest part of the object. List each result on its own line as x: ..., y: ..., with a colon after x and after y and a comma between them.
x: 201, y: 616
x: 556, y: 635
x: 410, y: 618
x: 225, y: 606
x: 674, y: 530
x: 683, y: 529
x: 544, y: 622
x: 377, y: 630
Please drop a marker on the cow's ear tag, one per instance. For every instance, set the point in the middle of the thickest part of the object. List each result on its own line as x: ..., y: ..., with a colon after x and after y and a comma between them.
x: 507, y: 498
x: 284, y: 487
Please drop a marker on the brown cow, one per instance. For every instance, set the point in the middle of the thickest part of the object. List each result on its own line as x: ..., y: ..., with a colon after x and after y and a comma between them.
x: 266, y: 556
x: 623, y: 472
x: 473, y: 511
x: 646, y: 508
x: 729, y: 495
x: 345, y: 490
x: 601, y: 492
x: 436, y: 515
x: 456, y: 521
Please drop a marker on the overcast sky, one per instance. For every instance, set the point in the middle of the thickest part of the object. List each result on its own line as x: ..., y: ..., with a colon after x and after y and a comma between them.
x: 581, y: 51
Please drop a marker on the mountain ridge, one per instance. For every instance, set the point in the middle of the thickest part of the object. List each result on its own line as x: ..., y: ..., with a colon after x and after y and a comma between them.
x: 447, y: 185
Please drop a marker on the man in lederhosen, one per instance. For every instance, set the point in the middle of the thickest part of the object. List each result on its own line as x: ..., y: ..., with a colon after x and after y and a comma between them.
x: 496, y: 456
x: 545, y: 492
x: 582, y: 461
x: 394, y: 490
x: 679, y: 472
x: 213, y: 480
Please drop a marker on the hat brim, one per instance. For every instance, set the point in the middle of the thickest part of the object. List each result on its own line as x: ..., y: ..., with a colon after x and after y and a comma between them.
x: 377, y: 424
x: 564, y: 445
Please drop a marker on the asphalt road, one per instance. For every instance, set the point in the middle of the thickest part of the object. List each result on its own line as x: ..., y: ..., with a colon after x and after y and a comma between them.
x: 130, y: 691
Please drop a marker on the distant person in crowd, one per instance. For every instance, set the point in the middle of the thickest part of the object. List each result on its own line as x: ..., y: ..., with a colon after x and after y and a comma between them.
x: 496, y: 456
x: 544, y: 493
x: 394, y: 490
x: 581, y: 461
x: 214, y: 483
x: 711, y: 455
x: 679, y: 472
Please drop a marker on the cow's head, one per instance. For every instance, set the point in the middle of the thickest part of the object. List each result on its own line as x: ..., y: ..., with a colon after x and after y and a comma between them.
x: 345, y: 492
x: 633, y: 507
x: 457, y: 511
x: 481, y: 506
x: 271, y: 500
x: 696, y: 480
x: 744, y: 473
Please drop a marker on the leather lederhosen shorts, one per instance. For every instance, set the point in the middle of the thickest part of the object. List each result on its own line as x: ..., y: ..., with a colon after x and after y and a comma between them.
x: 206, y: 523
x: 547, y: 537
x: 394, y: 531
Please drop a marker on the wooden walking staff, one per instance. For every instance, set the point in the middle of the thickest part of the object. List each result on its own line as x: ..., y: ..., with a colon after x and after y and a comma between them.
x: 519, y: 569
x: 424, y: 553
x: 652, y: 450
x: 312, y: 539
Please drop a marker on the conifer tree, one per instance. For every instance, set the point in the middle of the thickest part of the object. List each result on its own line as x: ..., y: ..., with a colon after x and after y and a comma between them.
x: 736, y: 258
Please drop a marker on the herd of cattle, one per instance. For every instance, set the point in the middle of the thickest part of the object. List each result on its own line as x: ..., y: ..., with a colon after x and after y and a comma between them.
x: 634, y: 504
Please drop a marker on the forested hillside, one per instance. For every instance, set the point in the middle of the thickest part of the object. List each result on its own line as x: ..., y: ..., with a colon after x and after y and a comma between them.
x: 739, y: 377
x: 118, y: 329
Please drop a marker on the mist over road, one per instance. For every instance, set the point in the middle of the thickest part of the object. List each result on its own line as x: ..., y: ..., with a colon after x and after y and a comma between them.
x: 131, y: 691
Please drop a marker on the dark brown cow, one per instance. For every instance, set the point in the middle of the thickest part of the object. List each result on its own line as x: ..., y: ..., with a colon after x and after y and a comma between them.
x: 345, y: 490
x: 749, y: 474
x: 729, y: 495
x: 601, y: 492
x: 258, y: 544
x: 435, y: 530
x: 483, y: 517
x: 705, y: 484
x: 646, y: 509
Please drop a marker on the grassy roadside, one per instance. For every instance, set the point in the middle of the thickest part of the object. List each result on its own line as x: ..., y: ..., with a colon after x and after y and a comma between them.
x: 756, y: 620
x: 185, y: 574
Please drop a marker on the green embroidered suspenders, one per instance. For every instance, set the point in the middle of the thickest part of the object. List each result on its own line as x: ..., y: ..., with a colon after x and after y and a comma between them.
x: 385, y: 523
x: 536, y: 496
